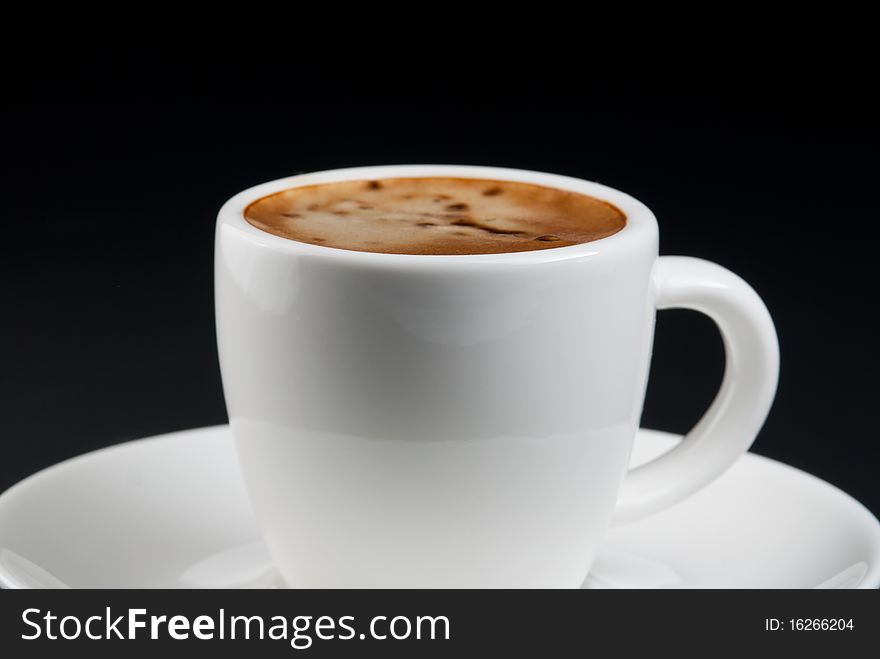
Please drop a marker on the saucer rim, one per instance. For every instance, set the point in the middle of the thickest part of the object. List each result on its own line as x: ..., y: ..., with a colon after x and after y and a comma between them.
x: 870, y: 581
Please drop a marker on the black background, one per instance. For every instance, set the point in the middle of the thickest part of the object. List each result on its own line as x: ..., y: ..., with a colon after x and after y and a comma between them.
x: 116, y: 158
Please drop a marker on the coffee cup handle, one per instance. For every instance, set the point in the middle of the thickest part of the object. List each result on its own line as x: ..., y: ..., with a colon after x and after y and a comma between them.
x: 734, y: 418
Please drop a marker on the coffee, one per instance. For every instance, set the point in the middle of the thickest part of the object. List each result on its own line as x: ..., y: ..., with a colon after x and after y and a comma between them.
x: 435, y: 216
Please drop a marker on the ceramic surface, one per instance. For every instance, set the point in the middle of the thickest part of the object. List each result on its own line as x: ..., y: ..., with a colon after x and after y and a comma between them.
x: 172, y: 512
x: 464, y: 420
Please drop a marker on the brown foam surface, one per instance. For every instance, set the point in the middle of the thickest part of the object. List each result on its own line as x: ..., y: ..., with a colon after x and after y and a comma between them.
x: 435, y: 216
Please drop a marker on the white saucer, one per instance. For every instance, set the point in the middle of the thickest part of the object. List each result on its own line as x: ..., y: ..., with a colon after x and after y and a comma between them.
x: 171, y: 512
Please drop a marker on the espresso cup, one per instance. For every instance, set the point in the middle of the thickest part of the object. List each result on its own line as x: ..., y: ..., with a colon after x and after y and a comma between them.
x: 465, y: 421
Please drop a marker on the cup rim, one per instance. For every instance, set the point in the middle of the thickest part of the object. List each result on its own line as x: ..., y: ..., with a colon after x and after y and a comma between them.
x: 640, y: 221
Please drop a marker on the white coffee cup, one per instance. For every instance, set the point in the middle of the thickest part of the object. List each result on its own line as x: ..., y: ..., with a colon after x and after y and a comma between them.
x: 465, y: 421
